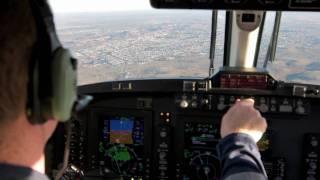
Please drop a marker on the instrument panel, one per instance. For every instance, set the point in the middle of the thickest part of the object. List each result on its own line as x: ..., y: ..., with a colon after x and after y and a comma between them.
x: 169, y: 129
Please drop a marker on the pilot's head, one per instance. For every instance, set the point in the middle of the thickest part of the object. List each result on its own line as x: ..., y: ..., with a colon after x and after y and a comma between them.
x: 17, y: 40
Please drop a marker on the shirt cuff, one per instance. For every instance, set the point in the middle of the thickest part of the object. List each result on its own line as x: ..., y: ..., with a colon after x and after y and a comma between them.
x: 227, y: 143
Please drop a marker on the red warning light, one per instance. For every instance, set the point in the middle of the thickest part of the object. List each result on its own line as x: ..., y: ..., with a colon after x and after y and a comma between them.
x: 244, y: 81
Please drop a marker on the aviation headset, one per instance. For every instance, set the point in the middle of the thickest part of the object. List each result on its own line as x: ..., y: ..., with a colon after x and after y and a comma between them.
x: 52, y: 87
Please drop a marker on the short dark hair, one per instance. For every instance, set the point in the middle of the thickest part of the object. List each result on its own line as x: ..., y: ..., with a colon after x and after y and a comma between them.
x: 17, y: 38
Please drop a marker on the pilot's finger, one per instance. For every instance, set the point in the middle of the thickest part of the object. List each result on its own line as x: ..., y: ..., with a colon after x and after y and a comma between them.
x: 249, y: 101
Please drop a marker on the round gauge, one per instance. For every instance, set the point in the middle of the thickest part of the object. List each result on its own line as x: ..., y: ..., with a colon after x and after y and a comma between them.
x: 123, y: 160
x: 204, y: 167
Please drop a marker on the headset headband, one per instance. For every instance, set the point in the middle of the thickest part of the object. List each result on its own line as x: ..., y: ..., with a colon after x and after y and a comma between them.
x: 50, y: 60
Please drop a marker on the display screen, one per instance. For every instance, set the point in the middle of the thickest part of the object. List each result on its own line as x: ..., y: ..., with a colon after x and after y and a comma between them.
x: 121, y: 131
x: 313, y: 4
x: 200, y: 160
x: 201, y: 135
x: 122, y: 145
x: 250, y: 18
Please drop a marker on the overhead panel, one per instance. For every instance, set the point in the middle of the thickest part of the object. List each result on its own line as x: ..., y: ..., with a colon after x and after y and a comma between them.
x: 276, y: 5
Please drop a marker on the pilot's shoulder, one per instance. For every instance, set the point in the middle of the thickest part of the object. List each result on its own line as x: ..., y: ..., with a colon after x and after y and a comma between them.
x: 11, y: 172
x: 246, y: 176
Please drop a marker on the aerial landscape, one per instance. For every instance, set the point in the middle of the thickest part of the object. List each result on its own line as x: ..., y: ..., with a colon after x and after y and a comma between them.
x: 172, y: 44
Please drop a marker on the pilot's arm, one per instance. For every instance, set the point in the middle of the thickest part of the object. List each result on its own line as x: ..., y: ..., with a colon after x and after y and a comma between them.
x: 242, y: 127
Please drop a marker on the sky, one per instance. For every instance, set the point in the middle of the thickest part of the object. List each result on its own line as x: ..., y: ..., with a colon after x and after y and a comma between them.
x: 67, y: 6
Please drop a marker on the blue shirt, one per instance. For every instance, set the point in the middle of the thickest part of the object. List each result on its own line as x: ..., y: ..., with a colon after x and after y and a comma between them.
x: 13, y: 172
x: 240, y: 158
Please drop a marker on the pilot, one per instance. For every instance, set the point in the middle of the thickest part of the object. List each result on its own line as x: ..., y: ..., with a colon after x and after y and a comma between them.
x: 241, y: 128
x: 22, y: 143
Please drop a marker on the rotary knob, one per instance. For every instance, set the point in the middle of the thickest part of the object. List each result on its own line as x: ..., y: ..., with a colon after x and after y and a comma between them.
x: 205, y: 101
x: 313, y: 165
x: 300, y: 110
x: 314, y: 143
x: 194, y: 104
x: 221, y: 106
x: 184, y: 104
x: 264, y: 108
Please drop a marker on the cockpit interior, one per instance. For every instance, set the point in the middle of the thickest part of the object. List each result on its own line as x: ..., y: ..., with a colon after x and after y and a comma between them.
x: 168, y: 128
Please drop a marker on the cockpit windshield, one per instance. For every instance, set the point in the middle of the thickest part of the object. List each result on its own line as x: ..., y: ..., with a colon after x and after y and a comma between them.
x: 297, y: 57
x: 120, y: 40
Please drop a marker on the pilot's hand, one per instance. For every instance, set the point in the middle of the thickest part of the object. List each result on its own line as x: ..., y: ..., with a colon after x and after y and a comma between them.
x: 244, y: 118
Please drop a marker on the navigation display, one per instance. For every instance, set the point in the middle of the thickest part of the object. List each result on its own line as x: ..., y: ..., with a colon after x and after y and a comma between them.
x: 121, y: 146
x: 200, y: 161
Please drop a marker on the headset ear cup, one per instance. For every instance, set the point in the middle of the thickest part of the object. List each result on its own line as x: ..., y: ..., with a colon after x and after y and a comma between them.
x: 64, y: 85
x: 33, y: 103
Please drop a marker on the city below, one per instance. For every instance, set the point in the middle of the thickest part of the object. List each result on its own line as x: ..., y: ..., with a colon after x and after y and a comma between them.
x: 170, y: 44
